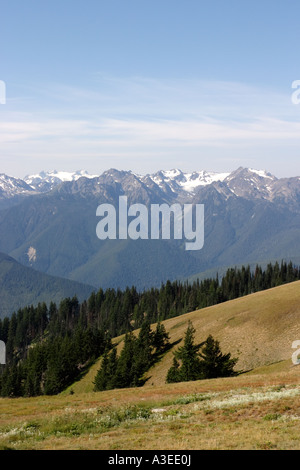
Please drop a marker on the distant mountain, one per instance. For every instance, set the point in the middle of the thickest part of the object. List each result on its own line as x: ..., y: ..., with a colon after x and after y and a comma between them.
x: 250, y: 216
x: 21, y: 286
x: 251, y: 184
x: 47, y: 180
x: 244, y: 182
x: 13, y: 190
x: 182, y: 183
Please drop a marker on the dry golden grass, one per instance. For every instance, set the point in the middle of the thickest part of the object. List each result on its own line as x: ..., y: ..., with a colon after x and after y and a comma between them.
x: 247, y: 412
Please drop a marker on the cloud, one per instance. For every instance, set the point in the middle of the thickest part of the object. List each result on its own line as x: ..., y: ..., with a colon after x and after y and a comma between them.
x: 137, y: 116
x: 127, y: 132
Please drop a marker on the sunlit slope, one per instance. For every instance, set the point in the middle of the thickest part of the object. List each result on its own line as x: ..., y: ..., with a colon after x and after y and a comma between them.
x: 258, y: 329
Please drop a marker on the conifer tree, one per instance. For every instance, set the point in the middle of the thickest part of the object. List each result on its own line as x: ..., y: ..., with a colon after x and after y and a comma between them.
x: 125, y: 372
x: 215, y: 364
x: 112, y: 369
x: 106, y: 376
x: 101, y: 378
x: 160, y: 338
x: 174, y: 372
x: 188, y: 355
x: 143, y: 351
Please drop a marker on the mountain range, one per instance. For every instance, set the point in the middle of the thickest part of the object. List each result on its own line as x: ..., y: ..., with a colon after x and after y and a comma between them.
x: 48, y: 222
x: 245, y: 182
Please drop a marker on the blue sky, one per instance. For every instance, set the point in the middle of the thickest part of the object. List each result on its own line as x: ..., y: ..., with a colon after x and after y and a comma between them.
x: 147, y: 85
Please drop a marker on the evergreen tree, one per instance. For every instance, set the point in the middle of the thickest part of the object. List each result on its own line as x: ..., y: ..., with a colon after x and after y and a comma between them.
x: 125, y: 373
x: 112, y: 369
x: 188, y: 355
x: 142, y: 358
x: 215, y: 364
x: 160, y: 338
x: 106, y: 376
x: 174, y: 374
x: 101, y: 378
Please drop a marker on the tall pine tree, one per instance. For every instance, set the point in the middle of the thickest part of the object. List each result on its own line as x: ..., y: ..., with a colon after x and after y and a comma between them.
x: 215, y: 364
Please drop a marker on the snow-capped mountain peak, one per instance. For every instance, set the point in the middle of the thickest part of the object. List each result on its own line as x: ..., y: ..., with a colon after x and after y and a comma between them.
x: 47, y: 180
x: 188, y: 182
x: 10, y: 186
x: 248, y: 182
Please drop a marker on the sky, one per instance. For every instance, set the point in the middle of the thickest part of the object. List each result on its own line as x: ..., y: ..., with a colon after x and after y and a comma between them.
x: 147, y: 85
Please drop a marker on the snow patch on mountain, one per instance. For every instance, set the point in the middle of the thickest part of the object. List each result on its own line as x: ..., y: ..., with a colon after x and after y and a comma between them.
x: 31, y: 253
x: 46, y: 181
x: 202, y: 178
x: 188, y: 182
x: 262, y: 173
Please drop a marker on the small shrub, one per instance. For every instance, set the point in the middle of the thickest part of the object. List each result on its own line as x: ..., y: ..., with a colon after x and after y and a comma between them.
x: 271, y: 416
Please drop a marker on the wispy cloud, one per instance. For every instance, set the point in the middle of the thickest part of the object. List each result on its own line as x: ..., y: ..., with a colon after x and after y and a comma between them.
x: 131, y: 117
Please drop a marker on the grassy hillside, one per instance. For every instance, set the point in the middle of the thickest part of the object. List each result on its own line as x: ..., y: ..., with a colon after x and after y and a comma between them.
x: 258, y: 329
x: 256, y: 410
x: 21, y: 286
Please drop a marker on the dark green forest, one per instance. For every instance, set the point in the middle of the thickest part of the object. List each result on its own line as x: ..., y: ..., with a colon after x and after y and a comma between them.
x: 50, y: 346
